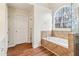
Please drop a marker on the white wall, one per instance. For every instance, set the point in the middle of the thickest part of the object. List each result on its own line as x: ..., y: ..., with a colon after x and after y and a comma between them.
x: 42, y: 22
x: 3, y: 29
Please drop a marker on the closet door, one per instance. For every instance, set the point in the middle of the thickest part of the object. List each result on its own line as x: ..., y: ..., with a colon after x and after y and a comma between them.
x: 21, y: 29
x: 18, y: 29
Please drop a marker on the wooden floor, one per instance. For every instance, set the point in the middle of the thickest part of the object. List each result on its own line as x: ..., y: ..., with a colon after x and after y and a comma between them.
x: 27, y: 50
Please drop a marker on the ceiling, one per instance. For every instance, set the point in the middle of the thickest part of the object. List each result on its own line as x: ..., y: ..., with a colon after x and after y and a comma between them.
x: 54, y: 5
x: 29, y: 6
x: 51, y: 5
x: 21, y: 5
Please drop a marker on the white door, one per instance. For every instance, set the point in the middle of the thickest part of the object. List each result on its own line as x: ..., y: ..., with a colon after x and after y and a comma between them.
x: 19, y: 29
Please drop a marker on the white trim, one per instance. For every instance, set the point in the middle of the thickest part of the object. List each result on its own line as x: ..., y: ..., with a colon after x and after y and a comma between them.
x: 61, y: 29
x: 11, y: 45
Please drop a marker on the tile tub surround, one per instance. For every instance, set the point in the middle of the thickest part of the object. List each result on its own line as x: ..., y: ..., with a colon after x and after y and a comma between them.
x: 60, y: 38
x: 54, y: 48
x: 68, y: 36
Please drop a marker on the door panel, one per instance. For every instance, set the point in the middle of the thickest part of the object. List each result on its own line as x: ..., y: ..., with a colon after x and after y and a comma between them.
x: 21, y: 29
x: 18, y: 29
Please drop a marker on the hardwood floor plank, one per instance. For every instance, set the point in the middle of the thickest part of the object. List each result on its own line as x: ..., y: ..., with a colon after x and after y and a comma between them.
x: 27, y: 50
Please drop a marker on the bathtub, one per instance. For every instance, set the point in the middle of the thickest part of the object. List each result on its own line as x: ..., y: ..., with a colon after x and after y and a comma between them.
x: 58, y: 41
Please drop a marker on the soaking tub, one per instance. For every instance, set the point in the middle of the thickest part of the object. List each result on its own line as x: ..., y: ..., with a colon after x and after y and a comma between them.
x: 59, y: 41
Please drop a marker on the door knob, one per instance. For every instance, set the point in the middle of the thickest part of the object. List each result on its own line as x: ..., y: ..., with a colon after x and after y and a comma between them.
x: 16, y: 31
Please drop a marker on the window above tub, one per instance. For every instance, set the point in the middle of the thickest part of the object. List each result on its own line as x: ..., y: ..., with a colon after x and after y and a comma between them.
x: 63, y: 18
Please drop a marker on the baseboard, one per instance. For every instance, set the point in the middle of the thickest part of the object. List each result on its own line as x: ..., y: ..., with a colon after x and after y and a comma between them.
x: 15, y: 44
x: 36, y: 45
x: 11, y: 45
